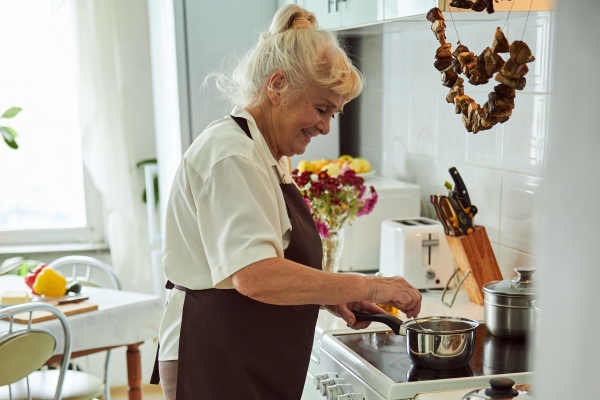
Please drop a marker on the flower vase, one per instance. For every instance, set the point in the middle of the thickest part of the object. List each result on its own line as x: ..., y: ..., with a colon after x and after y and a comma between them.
x: 332, y: 250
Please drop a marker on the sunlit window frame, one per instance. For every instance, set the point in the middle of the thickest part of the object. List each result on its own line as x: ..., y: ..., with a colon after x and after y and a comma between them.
x: 91, y: 234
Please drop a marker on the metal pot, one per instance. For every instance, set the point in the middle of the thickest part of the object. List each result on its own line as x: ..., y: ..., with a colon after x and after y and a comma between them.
x: 433, y: 342
x: 440, y: 342
x: 508, y: 305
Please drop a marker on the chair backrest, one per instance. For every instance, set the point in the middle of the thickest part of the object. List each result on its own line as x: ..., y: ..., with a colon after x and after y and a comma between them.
x: 24, y: 349
x: 87, y: 271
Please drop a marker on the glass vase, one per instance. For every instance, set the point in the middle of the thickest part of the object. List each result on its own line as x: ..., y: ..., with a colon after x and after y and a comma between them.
x: 332, y: 250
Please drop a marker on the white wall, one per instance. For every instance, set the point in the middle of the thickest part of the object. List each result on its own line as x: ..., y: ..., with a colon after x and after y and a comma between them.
x: 411, y: 133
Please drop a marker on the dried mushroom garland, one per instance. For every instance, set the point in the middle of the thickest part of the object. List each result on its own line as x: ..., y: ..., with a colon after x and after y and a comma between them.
x: 479, y: 70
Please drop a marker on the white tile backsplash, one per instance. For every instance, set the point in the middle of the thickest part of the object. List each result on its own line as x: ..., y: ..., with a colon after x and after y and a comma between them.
x: 485, y: 191
x: 422, y: 137
x: 509, y: 259
x: 520, y: 212
x: 422, y: 123
x: 525, y: 135
x: 485, y: 148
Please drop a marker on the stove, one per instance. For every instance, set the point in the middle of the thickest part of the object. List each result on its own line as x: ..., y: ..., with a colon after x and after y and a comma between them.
x: 374, y: 365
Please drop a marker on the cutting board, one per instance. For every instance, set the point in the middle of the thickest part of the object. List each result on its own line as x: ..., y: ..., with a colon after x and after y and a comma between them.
x: 67, y: 309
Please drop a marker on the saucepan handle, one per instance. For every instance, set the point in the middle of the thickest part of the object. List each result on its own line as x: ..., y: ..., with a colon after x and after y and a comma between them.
x: 394, y: 323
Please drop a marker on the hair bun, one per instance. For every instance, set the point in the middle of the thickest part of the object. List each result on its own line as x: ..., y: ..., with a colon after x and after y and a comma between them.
x: 300, y: 23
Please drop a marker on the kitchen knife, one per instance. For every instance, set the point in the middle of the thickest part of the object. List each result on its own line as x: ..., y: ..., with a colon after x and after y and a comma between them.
x: 460, y: 189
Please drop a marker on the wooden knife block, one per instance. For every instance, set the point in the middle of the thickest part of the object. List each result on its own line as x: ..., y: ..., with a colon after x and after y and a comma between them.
x: 474, y: 253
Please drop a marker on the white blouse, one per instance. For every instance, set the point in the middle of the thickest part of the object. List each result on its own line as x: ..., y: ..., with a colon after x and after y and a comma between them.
x: 225, y: 211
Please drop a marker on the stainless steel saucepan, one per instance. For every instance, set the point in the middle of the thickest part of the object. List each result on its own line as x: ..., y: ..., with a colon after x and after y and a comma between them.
x: 508, y: 308
x: 433, y: 342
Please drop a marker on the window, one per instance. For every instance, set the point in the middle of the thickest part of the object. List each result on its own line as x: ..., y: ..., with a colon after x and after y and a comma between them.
x: 45, y: 196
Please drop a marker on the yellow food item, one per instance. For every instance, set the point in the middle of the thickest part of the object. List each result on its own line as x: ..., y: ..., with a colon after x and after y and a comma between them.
x: 358, y: 164
x: 389, y: 309
x: 355, y: 165
x: 365, y: 165
x: 333, y: 168
x: 304, y: 165
x: 50, y: 283
x: 15, y: 297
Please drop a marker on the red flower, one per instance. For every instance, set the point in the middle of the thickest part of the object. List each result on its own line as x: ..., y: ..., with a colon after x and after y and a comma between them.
x: 335, y: 200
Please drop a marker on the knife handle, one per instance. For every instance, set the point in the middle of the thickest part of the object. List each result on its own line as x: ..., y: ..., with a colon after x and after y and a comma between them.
x: 74, y: 300
x: 459, y: 185
x: 436, y: 206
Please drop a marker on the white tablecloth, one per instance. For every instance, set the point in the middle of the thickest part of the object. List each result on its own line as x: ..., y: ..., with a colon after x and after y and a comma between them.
x: 122, y: 318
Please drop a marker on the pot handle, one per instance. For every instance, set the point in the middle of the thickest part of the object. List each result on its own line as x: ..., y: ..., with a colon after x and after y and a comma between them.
x: 394, y: 323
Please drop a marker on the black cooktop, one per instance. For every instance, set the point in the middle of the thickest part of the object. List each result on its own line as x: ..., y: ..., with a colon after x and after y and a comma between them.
x: 493, y: 355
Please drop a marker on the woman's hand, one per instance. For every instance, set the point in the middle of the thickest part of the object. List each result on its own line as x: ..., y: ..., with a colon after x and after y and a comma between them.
x: 395, y: 291
x: 344, y: 311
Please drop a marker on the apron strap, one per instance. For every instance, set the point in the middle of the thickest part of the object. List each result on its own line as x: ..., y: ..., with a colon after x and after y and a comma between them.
x: 243, y: 123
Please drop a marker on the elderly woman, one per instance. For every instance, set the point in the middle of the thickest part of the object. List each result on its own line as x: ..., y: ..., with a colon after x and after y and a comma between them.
x: 242, y: 253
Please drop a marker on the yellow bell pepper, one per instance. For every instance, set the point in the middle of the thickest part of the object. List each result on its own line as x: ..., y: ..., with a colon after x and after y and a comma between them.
x: 50, y: 283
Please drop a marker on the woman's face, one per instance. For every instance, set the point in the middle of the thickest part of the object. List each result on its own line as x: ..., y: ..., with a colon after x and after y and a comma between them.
x: 297, y: 121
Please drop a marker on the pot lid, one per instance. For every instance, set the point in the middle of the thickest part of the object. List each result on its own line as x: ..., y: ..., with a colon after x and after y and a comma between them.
x: 501, y: 389
x: 518, y: 286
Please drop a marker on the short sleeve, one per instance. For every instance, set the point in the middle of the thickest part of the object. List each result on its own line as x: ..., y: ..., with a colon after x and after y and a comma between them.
x: 238, y: 217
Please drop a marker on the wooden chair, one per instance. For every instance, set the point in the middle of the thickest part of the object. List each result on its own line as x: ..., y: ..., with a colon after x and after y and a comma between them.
x: 24, y: 349
x: 90, y: 271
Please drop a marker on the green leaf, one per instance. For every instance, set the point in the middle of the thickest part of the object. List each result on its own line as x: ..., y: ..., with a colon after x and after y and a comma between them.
x: 23, y: 269
x: 10, y: 130
x: 8, y: 137
x: 11, y: 112
x: 448, y: 185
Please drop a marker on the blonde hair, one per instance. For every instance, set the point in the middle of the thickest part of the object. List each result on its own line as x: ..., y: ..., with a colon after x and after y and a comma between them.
x: 295, y: 45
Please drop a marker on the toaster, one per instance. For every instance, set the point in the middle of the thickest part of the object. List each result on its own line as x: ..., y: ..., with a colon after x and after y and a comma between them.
x: 417, y: 250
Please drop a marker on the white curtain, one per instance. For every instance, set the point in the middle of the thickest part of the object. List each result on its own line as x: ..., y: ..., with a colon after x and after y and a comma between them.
x: 109, y: 150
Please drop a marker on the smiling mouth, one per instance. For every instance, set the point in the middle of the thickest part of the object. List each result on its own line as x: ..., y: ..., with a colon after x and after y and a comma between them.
x: 308, y: 135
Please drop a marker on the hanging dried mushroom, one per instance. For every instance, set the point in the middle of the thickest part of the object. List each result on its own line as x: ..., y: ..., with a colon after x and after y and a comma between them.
x: 479, y: 70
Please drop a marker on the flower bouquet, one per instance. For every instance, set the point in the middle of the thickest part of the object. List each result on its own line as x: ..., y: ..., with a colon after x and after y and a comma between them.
x: 334, y: 201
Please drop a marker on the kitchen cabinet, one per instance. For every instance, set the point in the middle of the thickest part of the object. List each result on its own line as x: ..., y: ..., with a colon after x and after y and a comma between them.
x: 343, y: 14
x: 361, y: 12
x: 327, y: 11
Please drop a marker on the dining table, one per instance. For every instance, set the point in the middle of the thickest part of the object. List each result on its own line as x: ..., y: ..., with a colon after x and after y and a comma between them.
x: 123, y: 319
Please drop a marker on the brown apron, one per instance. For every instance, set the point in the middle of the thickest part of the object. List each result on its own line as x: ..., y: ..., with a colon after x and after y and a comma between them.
x: 234, y: 347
